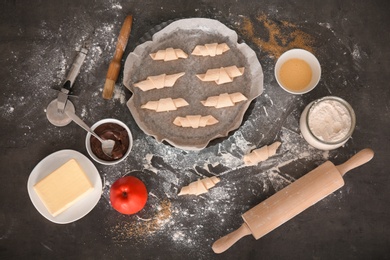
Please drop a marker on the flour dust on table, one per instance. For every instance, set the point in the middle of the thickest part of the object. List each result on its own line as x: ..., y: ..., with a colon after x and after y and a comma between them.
x: 171, y: 168
x: 187, y: 222
x: 54, y: 64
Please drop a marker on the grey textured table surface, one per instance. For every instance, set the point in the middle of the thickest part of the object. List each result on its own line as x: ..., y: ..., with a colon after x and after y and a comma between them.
x: 38, y: 42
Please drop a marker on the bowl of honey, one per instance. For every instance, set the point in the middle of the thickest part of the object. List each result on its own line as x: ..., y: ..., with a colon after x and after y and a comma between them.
x: 297, y: 71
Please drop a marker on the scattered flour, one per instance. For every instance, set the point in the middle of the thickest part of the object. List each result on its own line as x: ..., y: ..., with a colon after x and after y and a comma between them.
x: 170, y: 167
x: 119, y: 94
x: 94, y: 54
x: 83, y: 113
x: 54, y: 64
x: 356, y: 52
x: 186, y: 225
x: 7, y: 110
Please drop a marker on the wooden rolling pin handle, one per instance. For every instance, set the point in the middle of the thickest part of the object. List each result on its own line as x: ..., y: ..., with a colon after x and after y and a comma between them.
x: 292, y: 200
x: 357, y: 160
x: 115, y: 65
x: 224, y: 243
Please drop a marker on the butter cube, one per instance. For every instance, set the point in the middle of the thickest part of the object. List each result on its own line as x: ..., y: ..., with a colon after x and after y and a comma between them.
x: 62, y: 188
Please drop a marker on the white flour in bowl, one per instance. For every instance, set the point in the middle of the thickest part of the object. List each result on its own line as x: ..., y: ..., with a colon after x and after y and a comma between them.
x: 329, y: 121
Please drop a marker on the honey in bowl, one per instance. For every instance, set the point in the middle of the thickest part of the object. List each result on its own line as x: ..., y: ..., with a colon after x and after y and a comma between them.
x: 295, y: 74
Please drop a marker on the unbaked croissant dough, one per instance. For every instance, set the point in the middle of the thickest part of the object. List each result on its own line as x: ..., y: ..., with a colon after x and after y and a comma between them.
x: 199, y: 187
x: 224, y: 100
x: 221, y: 75
x: 169, y: 54
x: 195, y: 121
x: 211, y: 49
x: 261, y: 154
x: 159, y: 81
x: 165, y: 104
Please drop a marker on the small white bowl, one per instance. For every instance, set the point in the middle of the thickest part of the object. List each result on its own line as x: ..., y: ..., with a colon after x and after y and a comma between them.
x: 303, y: 55
x: 88, y: 141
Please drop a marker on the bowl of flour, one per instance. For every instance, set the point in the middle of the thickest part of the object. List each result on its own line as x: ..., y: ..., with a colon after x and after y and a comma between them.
x: 327, y: 123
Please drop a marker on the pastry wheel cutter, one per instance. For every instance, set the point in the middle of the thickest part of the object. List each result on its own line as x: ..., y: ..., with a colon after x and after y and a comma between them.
x: 55, y: 111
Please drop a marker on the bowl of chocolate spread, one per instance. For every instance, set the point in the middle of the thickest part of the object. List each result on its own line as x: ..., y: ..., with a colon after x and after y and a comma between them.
x: 113, y: 129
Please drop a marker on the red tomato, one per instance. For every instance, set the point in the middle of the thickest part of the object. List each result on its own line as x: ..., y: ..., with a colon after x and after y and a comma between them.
x: 128, y: 195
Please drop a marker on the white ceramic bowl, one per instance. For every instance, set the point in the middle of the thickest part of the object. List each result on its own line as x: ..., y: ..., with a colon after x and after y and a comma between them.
x: 303, y: 55
x: 88, y: 141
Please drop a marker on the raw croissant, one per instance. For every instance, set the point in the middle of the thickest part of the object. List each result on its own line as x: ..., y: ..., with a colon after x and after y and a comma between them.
x: 199, y: 187
x: 211, y: 49
x: 169, y: 54
x: 221, y: 75
x: 261, y: 154
x: 224, y: 100
x: 195, y: 121
x: 165, y: 104
x: 159, y: 81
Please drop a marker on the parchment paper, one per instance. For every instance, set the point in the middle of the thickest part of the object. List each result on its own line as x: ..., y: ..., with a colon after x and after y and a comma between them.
x: 186, y: 34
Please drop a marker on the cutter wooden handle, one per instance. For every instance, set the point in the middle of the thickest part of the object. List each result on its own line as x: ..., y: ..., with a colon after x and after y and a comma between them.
x: 115, y: 65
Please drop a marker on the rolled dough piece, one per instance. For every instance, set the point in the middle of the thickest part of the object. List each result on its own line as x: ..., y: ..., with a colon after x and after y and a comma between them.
x: 224, y: 100
x: 158, y: 82
x: 261, y: 154
x: 211, y: 49
x: 195, y: 121
x: 222, y: 75
x: 165, y: 104
x: 169, y: 54
x: 199, y: 187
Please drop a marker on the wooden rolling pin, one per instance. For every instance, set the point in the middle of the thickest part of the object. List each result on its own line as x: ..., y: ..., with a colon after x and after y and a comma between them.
x: 292, y: 200
x: 115, y: 65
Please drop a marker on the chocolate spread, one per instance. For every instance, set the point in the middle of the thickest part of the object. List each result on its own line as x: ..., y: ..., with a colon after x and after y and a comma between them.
x: 114, y: 132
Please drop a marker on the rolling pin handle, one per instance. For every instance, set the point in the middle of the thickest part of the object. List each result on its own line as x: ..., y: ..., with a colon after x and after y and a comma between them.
x: 358, y: 159
x: 224, y: 243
